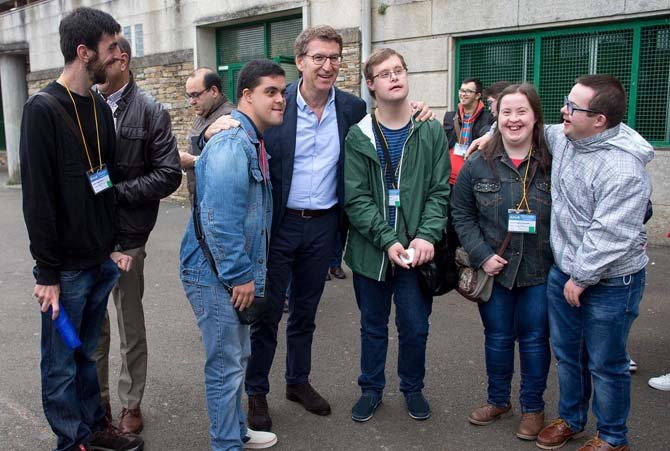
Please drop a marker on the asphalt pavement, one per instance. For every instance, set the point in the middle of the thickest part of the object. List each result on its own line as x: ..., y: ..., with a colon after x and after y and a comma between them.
x: 174, y: 405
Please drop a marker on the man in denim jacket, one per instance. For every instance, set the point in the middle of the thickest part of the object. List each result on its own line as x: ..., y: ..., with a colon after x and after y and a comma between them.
x: 233, y: 193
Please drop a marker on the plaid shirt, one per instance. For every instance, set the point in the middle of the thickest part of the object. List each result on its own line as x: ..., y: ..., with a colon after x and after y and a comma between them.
x: 600, y: 190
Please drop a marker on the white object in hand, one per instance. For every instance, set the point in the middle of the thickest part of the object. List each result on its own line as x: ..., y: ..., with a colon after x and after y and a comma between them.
x: 410, y: 253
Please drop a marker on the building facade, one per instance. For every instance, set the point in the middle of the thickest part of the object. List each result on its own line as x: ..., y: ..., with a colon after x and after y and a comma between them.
x: 443, y: 42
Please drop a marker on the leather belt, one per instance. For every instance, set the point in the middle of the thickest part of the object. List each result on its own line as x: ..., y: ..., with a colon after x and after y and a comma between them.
x: 310, y: 213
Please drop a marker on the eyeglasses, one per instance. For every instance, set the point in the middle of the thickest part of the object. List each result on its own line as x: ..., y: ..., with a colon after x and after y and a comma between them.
x: 571, y: 107
x: 467, y: 92
x: 194, y: 95
x: 320, y: 60
x: 386, y: 74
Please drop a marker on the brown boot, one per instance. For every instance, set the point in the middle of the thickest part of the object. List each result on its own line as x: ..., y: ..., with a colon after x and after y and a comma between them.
x: 596, y: 444
x: 131, y: 421
x: 530, y: 425
x: 258, y: 415
x: 489, y: 413
x: 556, y: 434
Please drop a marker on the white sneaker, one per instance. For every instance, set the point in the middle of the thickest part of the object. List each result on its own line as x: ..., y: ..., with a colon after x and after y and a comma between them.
x: 632, y: 366
x: 660, y: 382
x: 259, y: 439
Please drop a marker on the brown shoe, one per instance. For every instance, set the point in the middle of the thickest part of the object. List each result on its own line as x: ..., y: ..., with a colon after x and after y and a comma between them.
x: 131, y: 421
x: 488, y: 413
x: 338, y: 272
x: 596, y: 444
x: 530, y: 425
x: 556, y: 434
x: 258, y: 414
x: 308, y: 397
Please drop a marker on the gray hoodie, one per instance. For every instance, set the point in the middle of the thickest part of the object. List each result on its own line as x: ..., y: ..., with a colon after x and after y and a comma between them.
x: 599, y: 191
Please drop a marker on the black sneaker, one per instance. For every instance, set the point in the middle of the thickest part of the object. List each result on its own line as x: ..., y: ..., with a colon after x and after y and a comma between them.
x: 417, y: 406
x: 365, y: 408
x: 109, y: 439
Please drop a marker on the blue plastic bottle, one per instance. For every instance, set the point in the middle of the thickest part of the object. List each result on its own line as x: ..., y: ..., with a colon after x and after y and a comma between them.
x: 66, y: 329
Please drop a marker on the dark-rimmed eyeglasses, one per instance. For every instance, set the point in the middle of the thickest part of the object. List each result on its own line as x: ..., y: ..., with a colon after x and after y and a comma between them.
x: 320, y: 60
x: 467, y: 92
x: 194, y: 95
x: 571, y: 107
x: 386, y: 74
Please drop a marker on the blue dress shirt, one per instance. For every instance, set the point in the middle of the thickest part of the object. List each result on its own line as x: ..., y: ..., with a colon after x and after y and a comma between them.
x: 317, y: 151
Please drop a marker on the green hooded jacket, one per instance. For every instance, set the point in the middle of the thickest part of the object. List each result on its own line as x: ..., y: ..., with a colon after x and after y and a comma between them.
x: 423, y: 180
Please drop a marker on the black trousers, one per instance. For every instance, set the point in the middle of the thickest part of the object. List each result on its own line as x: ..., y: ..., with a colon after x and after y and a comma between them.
x: 300, y: 251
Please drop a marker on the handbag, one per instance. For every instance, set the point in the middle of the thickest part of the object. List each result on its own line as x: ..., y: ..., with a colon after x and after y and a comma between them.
x: 439, y: 275
x: 261, y: 305
x: 473, y: 283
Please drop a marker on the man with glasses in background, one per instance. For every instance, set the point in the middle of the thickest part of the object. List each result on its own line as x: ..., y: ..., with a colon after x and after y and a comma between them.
x: 203, y: 93
x: 470, y: 121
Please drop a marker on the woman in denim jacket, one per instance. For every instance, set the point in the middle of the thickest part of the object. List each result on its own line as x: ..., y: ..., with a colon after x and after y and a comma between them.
x: 511, y: 175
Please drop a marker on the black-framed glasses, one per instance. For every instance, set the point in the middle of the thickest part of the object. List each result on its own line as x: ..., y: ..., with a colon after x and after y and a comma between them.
x: 571, y: 107
x: 320, y: 60
x: 386, y: 74
x: 467, y: 92
x: 194, y: 95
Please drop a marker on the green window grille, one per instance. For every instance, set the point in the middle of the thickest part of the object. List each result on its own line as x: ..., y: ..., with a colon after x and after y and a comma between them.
x: 239, y: 44
x: 636, y: 52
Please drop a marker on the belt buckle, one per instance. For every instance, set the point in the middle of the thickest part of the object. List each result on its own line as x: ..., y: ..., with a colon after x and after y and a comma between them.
x: 303, y: 215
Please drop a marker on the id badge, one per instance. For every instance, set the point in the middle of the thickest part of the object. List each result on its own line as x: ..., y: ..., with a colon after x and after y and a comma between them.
x: 99, y: 180
x: 521, y: 221
x: 394, y: 198
x: 460, y: 150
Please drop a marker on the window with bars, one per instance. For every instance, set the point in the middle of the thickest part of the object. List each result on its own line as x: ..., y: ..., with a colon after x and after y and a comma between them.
x: 637, y: 53
x: 239, y: 44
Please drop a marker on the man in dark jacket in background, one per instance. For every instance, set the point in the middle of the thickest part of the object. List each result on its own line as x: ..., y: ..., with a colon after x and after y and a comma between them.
x: 203, y: 93
x: 147, y: 165
x: 470, y: 121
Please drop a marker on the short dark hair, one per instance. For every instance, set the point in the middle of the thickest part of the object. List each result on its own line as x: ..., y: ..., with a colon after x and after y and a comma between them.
x: 124, y: 47
x: 476, y: 81
x: 84, y: 26
x: 210, y: 77
x: 494, y: 89
x: 609, y: 99
x: 252, y: 72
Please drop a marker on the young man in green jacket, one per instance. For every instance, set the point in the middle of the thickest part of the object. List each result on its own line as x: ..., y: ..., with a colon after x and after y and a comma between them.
x: 396, y: 178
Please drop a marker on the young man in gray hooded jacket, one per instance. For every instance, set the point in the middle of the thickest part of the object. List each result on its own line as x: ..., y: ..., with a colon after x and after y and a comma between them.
x: 600, y: 190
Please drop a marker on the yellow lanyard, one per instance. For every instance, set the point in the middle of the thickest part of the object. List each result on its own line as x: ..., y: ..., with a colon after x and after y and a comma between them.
x: 81, y: 130
x: 524, y: 199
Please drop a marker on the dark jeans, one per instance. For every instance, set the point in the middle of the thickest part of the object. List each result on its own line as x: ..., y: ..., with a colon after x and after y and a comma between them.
x: 510, y: 315
x: 336, y: 262
x: 412, y: 311
x: 70, y: 390
x: 589, y: 343
x: 300, y: 251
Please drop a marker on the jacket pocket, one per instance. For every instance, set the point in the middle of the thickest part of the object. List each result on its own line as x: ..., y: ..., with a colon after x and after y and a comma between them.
x: 487, y: 192
x: 131, y: 148
x: 543, y: 191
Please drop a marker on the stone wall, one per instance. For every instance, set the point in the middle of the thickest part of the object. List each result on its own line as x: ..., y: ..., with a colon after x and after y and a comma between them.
x: 349, y: 78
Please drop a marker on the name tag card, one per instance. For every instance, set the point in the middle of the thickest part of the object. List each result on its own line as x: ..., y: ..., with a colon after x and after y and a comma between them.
x: 521, y: 221
x: 99, y: 180
x: 394, y: 198
x: 460, y: 150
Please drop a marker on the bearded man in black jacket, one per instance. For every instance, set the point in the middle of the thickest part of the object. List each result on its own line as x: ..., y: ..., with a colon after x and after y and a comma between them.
x: 147, y: 166
x: 67, y: 173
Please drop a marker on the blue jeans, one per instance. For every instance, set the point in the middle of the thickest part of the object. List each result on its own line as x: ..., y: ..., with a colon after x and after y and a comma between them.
x: 70, y: 390
x: 412, y: 311
x: 509, y: 315
x: 590, y: 345
x: 227, y: 350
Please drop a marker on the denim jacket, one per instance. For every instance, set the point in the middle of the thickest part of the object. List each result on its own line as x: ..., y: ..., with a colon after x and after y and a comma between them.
x: 235, y: 212
x: 480, y: 203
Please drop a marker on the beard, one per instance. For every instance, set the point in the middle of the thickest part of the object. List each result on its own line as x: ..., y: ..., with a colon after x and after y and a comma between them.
x: 96, y: 70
